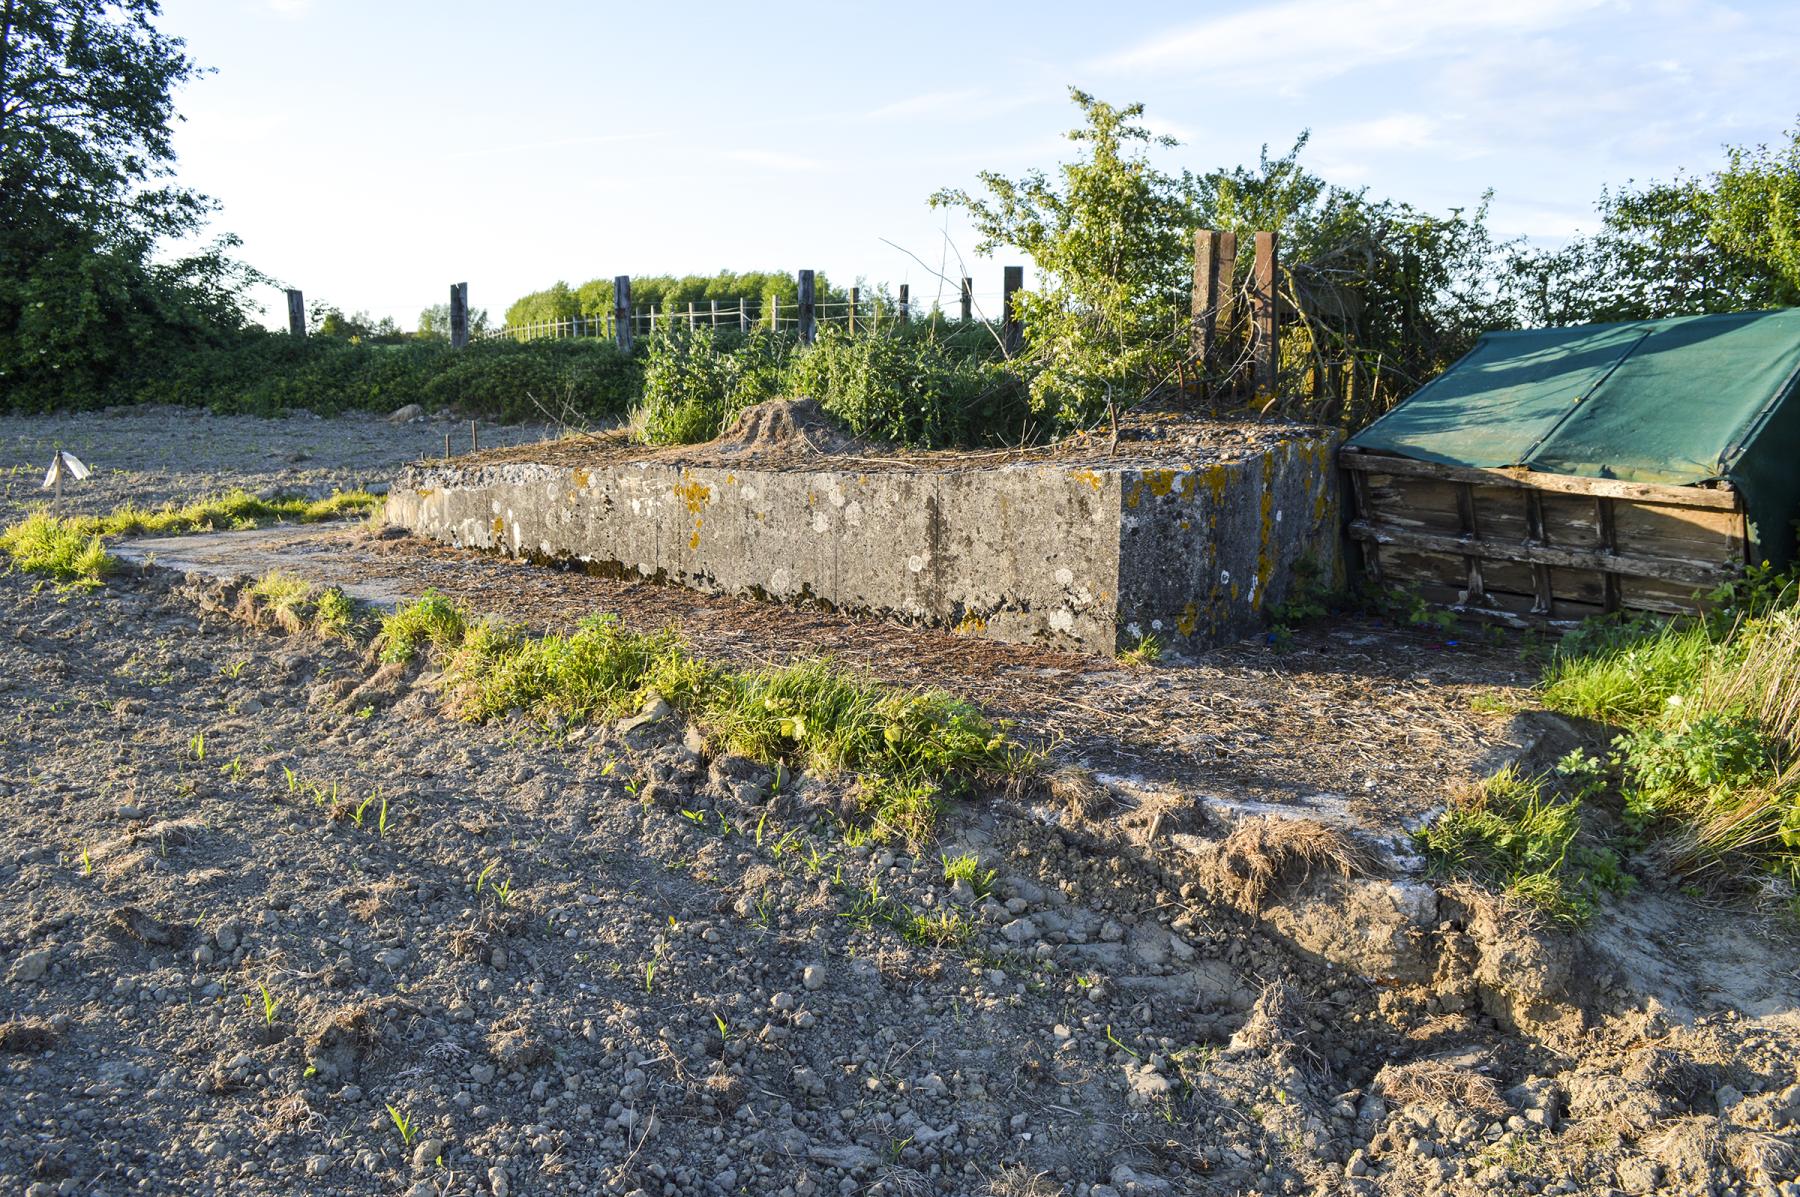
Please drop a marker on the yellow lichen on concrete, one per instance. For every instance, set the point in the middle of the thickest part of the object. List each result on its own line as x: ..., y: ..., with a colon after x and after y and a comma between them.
x: 971, y: 625
x: 694, y: 540
x: 696, y: 495
x: 499, y: 527
x: 1190, y: 618
x: 1091, y: 478
x: 580, y: 477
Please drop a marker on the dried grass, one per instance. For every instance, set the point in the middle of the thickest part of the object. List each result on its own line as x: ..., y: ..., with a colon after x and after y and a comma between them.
x: 1080, y: 793
x: 1438, y: 1083
x: 1270, y: 852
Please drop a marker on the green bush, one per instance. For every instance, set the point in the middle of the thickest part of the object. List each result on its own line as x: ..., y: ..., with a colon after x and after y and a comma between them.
x: 696, y: 380
x: 910, y: 391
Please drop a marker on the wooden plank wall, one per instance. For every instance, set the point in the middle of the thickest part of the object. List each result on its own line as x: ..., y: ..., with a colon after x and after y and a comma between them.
x: 1527, y: 546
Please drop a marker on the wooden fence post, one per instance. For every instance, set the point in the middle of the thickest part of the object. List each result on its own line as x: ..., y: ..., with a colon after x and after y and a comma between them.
x: 1011, y: 331
x: 743, y: 315
x: 1206, y: 298
x: 715, y: 313
x: 774, y: 313
x: 622, y: 311
x: 905, y: 303
x: 1265, y: 327
x: 855, y: 298
x: 296, y: 313
x: 806, y: 307
x: 968, y: 299
x: 690, y: 315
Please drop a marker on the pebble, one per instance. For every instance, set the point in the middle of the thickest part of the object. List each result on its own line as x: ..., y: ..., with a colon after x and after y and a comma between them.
x: 128, y: 810
x: 783, y: 1001
x: 813, y: 977
x: 32, y: 965
x: 425, y: 1153
x: 318, y: 1165
x: 498, y: 1181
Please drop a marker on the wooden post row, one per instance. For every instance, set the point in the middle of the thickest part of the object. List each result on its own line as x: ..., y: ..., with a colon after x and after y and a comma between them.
x: 806, y: 307
x: 1011, y: 330
x: 622, y: 311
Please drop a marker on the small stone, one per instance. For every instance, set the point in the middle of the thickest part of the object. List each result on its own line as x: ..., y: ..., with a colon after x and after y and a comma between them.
x: 498, y: 1182
x: 128, y: 810
x: 482, y: 1074
x: 498, y: 957
x: 813, y: 977
x: 425, y: 1153
x: 1728, y: 1096
x: 227, y: 935
x: 32, y: 965
x: 783, y: 1001
x: 318, y: 1165
x: 250, y: 706
x: 407, y: 414
x: 1358, y: 1164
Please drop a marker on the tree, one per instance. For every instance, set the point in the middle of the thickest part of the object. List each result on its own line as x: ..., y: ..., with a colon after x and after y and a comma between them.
x: 1728, y: 241
x: 85, y: 117
x: 1110, y: 238
x: 434, y: 322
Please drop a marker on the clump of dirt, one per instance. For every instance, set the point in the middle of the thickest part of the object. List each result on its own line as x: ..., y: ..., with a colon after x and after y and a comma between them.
x: 786, y: 426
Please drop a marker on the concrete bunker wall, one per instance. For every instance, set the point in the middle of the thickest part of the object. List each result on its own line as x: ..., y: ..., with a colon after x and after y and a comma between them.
x: 1086, y: 558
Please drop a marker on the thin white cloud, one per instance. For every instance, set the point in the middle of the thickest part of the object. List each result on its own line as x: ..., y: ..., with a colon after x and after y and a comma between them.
x: 931, y: 104
x: 774, y: 160
x: 1311, y: 40
x: 292, y: 9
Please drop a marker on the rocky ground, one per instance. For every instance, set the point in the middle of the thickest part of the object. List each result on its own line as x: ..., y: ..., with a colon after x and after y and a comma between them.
x: 276, y: 924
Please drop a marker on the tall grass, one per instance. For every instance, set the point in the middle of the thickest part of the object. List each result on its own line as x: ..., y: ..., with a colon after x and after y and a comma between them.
x: 1707, y: 767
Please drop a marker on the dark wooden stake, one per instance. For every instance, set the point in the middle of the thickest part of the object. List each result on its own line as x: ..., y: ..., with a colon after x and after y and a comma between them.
x: 1011, y: 329
x: 459, y: 315
x: 905, y: 303
x: 968, y: 300
x: 806, y: 307
x: 474, y: 438
x: 855, y: 298
x: 296, y: 313
x: 622, y: 311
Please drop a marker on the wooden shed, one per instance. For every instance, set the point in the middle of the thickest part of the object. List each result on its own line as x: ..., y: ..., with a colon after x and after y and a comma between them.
x: 1557, y: 473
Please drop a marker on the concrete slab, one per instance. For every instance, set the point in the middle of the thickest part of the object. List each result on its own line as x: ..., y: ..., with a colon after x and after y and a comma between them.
x: 1086, y: 555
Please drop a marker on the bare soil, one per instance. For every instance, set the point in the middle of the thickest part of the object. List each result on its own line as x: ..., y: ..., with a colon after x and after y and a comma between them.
x: 615, y: 960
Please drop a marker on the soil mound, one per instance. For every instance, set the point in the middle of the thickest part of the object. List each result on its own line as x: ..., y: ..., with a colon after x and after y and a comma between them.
x: 785, y: 426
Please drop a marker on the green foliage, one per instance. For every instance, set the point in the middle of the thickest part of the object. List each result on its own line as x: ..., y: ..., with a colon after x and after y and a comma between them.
x: 61, y: 549
x: 1721, y: 242
x: 261, y: 373
x: 594, y: 298
x: 696, y: 381
x: 910, y: 390
x: 432, y: 620
x: 1627, y: 672
x: 1510, y: 831
x: 86, y: 113
x: 1111, y: 241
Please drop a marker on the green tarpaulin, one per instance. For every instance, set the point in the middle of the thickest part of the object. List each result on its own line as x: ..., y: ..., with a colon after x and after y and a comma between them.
x: 1686, y: 400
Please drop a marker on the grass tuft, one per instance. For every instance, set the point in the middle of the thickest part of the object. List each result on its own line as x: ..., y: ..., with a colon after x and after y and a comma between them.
x: 62, y: 549
x: 433, y: 619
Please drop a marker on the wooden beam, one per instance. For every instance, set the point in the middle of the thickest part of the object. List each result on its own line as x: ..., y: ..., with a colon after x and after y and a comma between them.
x: 296, y: 313
x: 807, y: 325
x: 1205, y: 306
x: 1265, y: 329
x: 1722, y: 498
x: 1543, y: 594
x: 1667, y: 568
x: 968, y: 299
x: 1012, y: 329
x: 459, y: 315
x: 905, y: 303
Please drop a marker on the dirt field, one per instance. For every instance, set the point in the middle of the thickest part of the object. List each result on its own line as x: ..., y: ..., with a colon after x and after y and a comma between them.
x: 266, y: 902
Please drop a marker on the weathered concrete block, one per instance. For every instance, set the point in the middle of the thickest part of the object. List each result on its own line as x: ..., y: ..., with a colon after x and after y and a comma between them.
x: 1079, y: 555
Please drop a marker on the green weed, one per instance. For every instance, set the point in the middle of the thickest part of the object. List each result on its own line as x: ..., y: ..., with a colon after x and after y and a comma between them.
x: 966, y: 868
x: 407, y: 1128
x: 1147, y: 652
x: 63, y: 549
x: 431, y: 620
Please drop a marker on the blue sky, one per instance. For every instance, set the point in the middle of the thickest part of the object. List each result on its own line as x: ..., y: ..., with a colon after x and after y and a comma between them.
x: 373, y: 154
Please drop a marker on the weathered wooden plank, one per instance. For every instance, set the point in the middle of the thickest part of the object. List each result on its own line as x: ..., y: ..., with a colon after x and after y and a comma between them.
x: 1012, y: 329
x: 1205, y: 296
x: 1612, y: 488
x: 1265, y: 328
x: 807, y: 317
x: 1429, y: 504
x: 1457, y: 546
